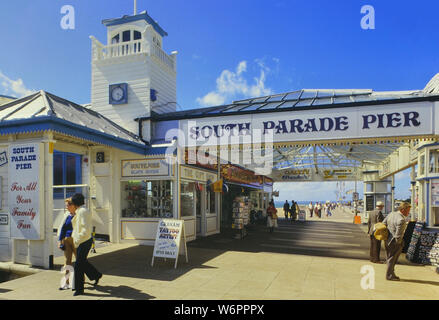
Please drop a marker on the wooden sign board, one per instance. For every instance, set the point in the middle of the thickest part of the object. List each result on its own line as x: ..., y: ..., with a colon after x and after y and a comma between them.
x: 168, y: 240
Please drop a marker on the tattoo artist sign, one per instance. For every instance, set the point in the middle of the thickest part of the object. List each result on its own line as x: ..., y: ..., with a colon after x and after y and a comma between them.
x: 168, y: 240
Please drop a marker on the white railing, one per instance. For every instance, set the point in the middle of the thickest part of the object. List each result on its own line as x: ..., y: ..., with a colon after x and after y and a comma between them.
x: 123, y: 49
x: 102, y: 52
x: 162, y: 56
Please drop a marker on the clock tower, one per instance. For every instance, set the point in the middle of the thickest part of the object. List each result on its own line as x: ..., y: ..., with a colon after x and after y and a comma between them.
x: 131, y: 74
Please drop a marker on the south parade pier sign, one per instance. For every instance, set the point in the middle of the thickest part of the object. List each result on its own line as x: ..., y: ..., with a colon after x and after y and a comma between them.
x: 24, y: 191
x: 394, y: 120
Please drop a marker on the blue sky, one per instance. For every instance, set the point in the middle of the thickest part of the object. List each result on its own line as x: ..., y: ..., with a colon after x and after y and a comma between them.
x: 229, y: 49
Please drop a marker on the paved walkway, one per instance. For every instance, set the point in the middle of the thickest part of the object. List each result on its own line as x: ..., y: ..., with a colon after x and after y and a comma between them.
x: 235, y: 270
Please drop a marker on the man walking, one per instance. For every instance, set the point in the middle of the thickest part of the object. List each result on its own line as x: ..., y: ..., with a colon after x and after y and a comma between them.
x: 375, y: 245
x: 396, y: 224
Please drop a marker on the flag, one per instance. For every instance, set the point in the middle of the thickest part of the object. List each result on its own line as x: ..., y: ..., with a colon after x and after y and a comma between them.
x: 218, y: 186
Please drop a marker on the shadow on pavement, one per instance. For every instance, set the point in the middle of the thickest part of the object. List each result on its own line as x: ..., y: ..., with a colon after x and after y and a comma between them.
x: 433, y: 283
x: 312, y: 238
x: 123, y: 292
x: 135, y: 262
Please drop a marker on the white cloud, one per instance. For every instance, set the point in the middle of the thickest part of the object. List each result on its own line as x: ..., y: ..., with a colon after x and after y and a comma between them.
x: 14, y: 88
x: 233, y: 85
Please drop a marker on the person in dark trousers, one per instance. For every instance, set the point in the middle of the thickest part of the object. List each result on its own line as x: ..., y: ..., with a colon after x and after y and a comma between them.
x: 396, y: 224
x: 286, y: 209
x: 82, y: 239
x: 293, y: 210
x: 375, y: 216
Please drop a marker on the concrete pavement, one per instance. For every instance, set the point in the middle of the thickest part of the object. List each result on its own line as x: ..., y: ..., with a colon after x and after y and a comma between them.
x: 229, y: 269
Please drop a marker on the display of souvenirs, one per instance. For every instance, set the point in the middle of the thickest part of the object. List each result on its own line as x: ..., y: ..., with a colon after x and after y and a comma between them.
x: 241, y: 215
x: 413, y: 249
x: 424, y: 246
x: 147, y: 199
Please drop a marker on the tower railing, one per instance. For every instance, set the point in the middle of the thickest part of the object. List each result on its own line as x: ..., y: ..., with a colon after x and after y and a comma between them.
x: 129, y: 48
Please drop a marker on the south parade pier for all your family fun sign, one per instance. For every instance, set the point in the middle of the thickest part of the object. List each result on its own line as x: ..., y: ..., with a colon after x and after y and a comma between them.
x: 24, y: 191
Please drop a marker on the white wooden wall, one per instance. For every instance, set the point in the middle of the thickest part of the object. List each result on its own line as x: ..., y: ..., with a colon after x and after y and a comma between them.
x: 131, y: 70
x: 5, y: 241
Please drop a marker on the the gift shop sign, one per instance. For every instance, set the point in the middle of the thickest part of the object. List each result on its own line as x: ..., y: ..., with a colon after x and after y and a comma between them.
x: 24, y: 191
x: 145, y: 167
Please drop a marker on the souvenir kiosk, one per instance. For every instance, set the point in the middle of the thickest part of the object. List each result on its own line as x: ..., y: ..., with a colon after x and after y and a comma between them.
x: 376, y: 190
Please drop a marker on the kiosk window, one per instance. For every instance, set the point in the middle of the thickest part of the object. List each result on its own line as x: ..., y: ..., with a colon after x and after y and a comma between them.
x: 66, y: 171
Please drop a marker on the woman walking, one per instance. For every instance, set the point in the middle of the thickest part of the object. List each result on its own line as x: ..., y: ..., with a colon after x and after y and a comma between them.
x: 66, y: 242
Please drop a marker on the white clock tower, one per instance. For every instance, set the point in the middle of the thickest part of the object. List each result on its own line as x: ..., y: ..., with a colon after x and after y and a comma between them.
x: 131, y: 74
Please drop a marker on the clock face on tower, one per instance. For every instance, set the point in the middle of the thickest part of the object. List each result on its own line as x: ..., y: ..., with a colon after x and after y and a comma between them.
x: 118, y: 93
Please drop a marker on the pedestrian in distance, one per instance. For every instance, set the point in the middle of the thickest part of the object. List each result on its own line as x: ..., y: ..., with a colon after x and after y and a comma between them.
x: 286, y: 209
x: 375, y: 216
x: 65, y: 242
x: 310, y: 209
x: 297, y: 210
x: 292, y: 210
x: 271, y: 216
x: 82, y: 239
x: 319, y: 210
x: 316, y: 209
x: 396, y: 225
x: 326, y: 208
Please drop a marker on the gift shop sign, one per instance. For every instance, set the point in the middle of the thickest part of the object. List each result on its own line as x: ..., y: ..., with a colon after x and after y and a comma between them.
x: 24, y: 191
x: 140, y: 168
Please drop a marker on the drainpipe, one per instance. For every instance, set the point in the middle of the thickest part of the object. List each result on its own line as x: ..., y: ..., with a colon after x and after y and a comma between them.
x: 393, y: 193
x: 412, y: 200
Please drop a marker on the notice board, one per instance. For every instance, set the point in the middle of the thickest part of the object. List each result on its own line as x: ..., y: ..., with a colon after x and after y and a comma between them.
x: 169, y: 238
x: 369, y: 203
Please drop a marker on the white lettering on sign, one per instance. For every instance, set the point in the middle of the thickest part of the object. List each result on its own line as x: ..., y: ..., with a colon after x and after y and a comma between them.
x: 138, y: 168
x: 4, y: 219
x: 168, y: 239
